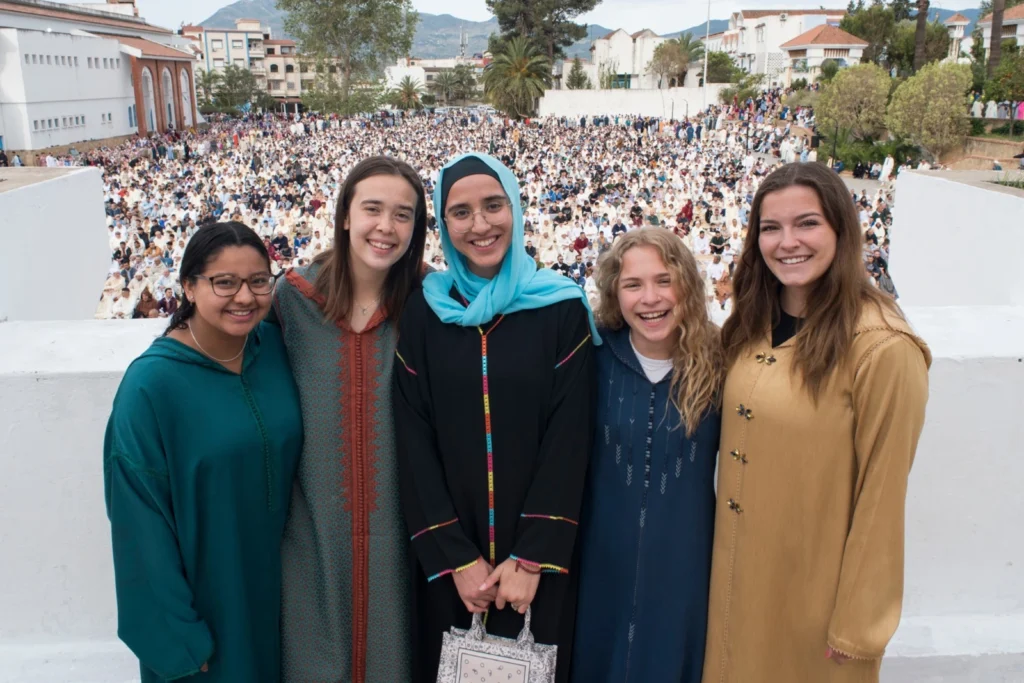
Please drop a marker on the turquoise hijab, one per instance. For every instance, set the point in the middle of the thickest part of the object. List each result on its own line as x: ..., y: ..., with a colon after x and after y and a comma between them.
x: 518, y: 286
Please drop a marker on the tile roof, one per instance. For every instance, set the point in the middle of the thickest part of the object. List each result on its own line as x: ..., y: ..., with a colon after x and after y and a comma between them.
x: 1013, y: 14
x: 758, y: 13
x: 957, y: 19
x: 75, y: 14
x: 150, y: 49
x: 824, y: 35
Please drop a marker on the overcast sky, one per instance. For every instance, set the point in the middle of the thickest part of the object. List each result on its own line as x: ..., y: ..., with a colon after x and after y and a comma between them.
x: 662, y: 16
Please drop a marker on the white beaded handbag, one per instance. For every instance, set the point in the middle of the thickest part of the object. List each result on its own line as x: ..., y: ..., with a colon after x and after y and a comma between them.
x: 472, y: 656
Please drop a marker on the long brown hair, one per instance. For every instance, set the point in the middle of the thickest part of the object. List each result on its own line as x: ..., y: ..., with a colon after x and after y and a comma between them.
x: 836, y: 299
x: 334, y: 279
x: 697, y: 360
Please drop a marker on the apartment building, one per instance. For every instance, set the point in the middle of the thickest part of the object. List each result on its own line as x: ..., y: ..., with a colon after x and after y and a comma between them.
x: 1013, y: 26
x: 810, y: 49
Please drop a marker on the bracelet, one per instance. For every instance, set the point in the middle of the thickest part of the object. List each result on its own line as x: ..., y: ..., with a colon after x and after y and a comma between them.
x: 519, y: 563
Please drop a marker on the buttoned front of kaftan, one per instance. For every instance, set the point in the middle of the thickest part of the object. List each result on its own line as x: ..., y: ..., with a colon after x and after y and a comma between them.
x: 808, y: 549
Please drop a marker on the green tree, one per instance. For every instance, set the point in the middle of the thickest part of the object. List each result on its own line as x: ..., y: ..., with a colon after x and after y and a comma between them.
x: 444, y: 85
x: 721, y: 68
x: 465, y: 82
x: 749, y: 85
x: 874, y: 24
x: 577, y: 78
x: 929, y: 108
x: 549, y: 23
x: 828, y: 70
x: 855, y: 102
x: 517, y: 77
x: 673, y: 57
x: 1007, y: 83
x: 206, y: 86
x: 903, y: 47
x: 900, y: 9
x: 237, y: 87
x: 408, y: 94
x: 360, y: 35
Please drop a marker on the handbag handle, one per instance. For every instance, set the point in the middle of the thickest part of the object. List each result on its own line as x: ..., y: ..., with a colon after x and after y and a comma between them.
x: 478, y: 632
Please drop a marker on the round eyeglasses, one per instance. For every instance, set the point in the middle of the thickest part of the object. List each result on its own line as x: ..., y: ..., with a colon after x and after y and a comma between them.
x: 461, y: 219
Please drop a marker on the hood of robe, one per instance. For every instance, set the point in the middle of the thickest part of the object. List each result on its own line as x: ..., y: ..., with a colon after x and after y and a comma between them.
x: 872, y: 319
x: 172, y: 349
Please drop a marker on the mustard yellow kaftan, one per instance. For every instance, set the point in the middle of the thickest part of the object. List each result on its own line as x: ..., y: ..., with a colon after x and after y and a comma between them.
x: 808, y: 549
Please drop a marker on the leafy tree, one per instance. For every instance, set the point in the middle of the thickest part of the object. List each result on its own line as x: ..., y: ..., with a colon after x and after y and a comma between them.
x: 921, y: 34
x: 985, y: 8
x: 264, y: 100
x: 876, y: 25
x: 206, y: 86
x: 444, y: 85
x: 855, y: 101
x: 928, y: 108
x: 902, y: 50
x: 237, y: 87
x: 408, y: 95
x: 748, y: 86
x: 673, y: 57
x: 549, y: 23
x: 465, y: 82
x: 721, y: 68
x: 1008, y: 81
x: 577, y: 78
x: 516, y: 77
x: 828, y: 70
x: 361, y: 35
x: 900, y: 9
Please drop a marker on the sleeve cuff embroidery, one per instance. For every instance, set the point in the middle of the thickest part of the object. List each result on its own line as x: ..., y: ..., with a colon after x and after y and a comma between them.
x: 551, y: 517
x: 446, y: 572
x: 432, y: 528
x: 573, y: 353
x: 546, y: 568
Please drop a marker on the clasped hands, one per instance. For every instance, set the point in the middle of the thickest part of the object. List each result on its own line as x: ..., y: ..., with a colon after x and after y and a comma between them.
x: 480, y: 585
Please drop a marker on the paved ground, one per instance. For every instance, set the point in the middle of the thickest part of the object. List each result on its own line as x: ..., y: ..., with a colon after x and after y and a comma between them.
x: 988, y: 669
x: 13, y: 178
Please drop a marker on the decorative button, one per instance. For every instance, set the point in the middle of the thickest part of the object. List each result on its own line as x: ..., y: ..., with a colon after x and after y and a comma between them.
x: 765, y: 359
x: 735, y: 507
x: 739, y: 457
x: 745, y: 412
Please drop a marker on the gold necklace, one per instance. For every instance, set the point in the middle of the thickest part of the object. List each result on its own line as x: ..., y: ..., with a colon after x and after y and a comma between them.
x: 209, y: 355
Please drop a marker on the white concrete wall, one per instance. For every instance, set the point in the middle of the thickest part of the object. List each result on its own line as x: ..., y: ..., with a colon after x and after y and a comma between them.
x: 63, y: 209
x: 956, y: 239
x: 37, y: 93
x: 964, y: 587
x: 629, y: 102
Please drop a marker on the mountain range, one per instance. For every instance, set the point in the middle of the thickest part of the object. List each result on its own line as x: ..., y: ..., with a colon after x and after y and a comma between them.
x: 438, y: 35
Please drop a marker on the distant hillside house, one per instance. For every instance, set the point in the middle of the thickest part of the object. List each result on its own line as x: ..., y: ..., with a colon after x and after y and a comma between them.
x: 808, y: 50
x: 73, y: 74
x: 1013, y: 26
x: 625, y: 58
x: 958, y: 42
x: 754, y: 38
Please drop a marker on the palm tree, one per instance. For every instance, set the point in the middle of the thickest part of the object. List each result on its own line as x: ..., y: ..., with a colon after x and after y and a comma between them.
x: 921, y: 34
x: 465, y: 82
x: 516, y: 77
x: 408, y: 94
x: 445, y: 85
x: 207, y: 84
x: 995, y: 50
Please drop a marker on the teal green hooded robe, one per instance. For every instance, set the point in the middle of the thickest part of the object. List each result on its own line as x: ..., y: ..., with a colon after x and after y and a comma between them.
x: 198, y: 469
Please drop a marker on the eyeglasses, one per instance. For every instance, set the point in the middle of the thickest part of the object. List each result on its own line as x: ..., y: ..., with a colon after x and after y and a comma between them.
x: 461, y: 219
x: 229, y: 285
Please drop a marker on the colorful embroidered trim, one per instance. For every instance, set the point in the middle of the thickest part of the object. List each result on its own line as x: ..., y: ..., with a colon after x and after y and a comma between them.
x: 578, y: 347
x: 552, y: 517
x: 446, y: 572
x: 411, y: 371
x: 546, y: 568
x: 432, y: 528
x: 490, y: 441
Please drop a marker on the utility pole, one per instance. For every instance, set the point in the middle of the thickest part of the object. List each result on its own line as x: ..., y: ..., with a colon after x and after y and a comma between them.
x: 707, y: 36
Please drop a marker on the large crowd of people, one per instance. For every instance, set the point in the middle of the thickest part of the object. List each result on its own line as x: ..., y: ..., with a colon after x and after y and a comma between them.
x: 584, y: 182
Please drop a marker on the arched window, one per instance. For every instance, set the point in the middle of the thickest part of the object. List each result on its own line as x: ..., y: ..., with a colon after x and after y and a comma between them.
x: 289, y: 68
x: 273, y: 68
x: 167, y: 83
x: 148, y: 100
x: 186, y: 99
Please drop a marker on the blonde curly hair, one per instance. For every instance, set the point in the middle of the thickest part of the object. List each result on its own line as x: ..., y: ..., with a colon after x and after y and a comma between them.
x: 698, y: 360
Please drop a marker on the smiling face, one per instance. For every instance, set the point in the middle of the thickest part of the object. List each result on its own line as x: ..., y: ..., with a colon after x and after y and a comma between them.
x: 796, y: 241
x: 381, y: 222
x: 233, y: 316
x: 485, y: 244
x: 648, y: 301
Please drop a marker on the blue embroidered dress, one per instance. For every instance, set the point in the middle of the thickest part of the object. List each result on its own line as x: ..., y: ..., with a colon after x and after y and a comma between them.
x: 646, y: 531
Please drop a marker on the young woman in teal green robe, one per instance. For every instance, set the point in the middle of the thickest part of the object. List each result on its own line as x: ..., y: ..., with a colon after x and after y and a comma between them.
x: 199, y: 459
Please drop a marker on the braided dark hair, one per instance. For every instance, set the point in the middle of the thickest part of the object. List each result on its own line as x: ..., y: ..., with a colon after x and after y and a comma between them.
x: 206, y: 243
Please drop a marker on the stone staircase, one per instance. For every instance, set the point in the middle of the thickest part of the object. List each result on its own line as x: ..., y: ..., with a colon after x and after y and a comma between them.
x: 980, y: 153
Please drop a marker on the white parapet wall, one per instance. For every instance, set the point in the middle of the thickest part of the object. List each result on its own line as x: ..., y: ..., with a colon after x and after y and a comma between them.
x: 664, y: 103
x: 58, y: 251
x: 956, y: 239
x: 964, y: 583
